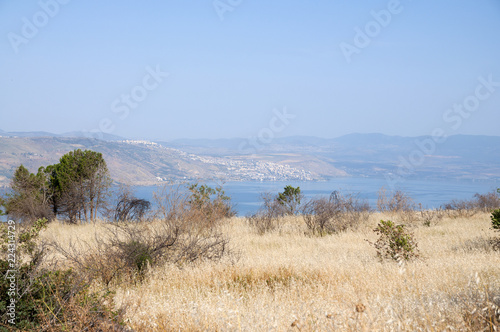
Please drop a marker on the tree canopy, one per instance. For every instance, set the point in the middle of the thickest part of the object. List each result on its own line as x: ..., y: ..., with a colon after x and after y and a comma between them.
x: 76, y: 187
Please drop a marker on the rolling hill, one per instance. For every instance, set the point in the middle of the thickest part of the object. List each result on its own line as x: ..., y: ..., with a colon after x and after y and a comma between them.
x: 140, y: 162
x: 290, y: 158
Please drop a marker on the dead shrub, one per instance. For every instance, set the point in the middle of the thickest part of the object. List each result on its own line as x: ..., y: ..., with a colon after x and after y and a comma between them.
x: 460, y: 208
x: 270, y: 215
x: 187, y: 231
x: 336, y: 214
x: 466, y: 208
x: 128, y: 207
x: 398, y: 204
x: 487, y: 202
x: 123, y: 251
x: 428, y: 217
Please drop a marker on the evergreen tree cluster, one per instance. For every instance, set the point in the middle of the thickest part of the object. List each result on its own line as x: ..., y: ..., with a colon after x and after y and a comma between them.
x: 75, y: 188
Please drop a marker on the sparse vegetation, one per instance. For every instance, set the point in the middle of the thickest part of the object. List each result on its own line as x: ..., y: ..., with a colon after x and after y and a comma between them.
x: 198, y: 205
x: 270, y: 215
x: 211, y: 203
x: 174, y: 270
x: 429, y: 217
x: 122, y: 252
x: 487, y: 202
x: 186, y: 230
x: 321, y: 283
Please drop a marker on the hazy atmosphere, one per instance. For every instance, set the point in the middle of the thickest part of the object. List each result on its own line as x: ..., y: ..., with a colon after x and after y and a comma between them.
x: 246, y: 165
x: 164, y: 70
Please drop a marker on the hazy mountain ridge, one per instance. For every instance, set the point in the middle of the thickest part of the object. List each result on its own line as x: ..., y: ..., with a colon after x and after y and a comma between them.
x: 140, y: 162
x: 377, y: 155
x: 290, y: 158
x: 75, y: 134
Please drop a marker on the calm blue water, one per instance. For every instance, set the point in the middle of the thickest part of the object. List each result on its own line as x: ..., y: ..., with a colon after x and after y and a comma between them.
x: 432, y: 194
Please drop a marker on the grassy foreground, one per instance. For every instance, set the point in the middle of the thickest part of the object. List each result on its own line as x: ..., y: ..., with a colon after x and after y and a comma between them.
x: 290, y: 281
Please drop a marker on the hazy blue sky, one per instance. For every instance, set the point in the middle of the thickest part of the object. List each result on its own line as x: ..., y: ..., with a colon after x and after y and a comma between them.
x: 233, y: 65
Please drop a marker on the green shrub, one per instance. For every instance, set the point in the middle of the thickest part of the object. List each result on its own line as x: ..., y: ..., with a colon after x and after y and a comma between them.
x: 50, y: 298
x: 139, y: 254
x: 290, y: 199
x: 395, y: 242
x: 211, y: 204
x: 495, y: 219
x: 45, y: 298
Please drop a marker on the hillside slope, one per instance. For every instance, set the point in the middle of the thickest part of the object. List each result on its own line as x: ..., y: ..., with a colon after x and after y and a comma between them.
x: 140, y: 162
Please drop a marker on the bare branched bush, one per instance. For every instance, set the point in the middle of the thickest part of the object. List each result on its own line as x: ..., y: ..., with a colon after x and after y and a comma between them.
x: 128, y: 207
x: 460, y: 208
x: 29, y: 209
x: 171, y: 201
x: 336, y: 214
x: 487, y: 202
x: 429, y: 216
x: 466, y: 208
x: 123, y: 251
x: 397, y: 203
x: 270, y: 215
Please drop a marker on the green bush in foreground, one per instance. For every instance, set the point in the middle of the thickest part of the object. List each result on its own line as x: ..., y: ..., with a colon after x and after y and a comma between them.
x: 34, y: 296
x: 395, y: 242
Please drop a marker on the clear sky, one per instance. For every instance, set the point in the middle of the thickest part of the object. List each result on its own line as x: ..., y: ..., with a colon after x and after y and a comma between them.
x: 219, y: 69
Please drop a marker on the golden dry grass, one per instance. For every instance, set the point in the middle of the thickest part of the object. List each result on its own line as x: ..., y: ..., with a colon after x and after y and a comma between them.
x: 289, y: 281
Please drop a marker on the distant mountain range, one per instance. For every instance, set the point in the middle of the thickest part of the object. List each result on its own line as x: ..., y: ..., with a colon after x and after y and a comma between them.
x: 289, y: 158
x: 79, y: 134
x: 371, y: 155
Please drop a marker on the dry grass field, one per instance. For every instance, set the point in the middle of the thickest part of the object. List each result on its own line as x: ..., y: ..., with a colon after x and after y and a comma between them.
x: 287, y: 280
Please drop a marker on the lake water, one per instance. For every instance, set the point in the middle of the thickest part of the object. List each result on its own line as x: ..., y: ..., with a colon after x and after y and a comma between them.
x: 431, y: 194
